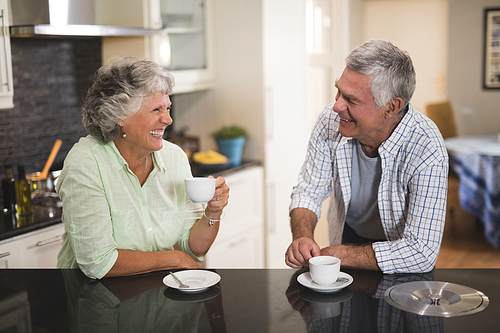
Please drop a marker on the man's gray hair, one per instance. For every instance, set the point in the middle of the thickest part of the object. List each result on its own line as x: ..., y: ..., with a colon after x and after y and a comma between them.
x: 118, y: 91
x: 390, y: 68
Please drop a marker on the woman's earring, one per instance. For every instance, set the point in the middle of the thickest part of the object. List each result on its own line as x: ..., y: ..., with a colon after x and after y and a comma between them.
x: 124, y: 135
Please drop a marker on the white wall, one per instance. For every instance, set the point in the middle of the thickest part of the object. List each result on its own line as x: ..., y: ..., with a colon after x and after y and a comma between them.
x: 477, y: 111
x: 421, y: 28
x: 238, y: 95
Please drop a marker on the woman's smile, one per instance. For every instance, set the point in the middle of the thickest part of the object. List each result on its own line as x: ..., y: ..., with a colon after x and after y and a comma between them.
x: 157, y: 133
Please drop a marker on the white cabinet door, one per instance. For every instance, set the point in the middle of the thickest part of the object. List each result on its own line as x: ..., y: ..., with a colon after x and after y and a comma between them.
x: 245, y: 208
x: 6, y: 83
x: 261, y: 71
x: 244, y: 251
x: 10, y: 254
x: 240, y: 242
x: 39, y: 249
x: 186, y: 48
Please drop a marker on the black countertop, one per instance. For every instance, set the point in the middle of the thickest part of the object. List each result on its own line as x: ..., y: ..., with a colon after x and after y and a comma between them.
x: 45, y: 216
x: 245, y: 300
x: 204, y: 171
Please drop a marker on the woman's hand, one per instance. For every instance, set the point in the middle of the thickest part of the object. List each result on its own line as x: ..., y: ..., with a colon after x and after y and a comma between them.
x: 205, y: 230
x: 220, y: 199
x: 186, y: 261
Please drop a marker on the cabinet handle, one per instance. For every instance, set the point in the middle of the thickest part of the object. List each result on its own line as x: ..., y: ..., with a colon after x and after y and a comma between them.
x: 5, y: 34
x: 3, y: 255
x: 49, y: 241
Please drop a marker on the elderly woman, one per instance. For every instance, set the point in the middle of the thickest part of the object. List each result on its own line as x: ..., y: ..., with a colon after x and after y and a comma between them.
x: 122, y: 186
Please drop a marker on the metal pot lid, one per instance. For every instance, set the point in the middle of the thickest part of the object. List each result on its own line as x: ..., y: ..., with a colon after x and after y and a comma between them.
x: 435, y: 298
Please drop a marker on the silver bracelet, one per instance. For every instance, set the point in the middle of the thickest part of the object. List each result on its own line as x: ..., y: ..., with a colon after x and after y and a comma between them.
x: 211, y: 222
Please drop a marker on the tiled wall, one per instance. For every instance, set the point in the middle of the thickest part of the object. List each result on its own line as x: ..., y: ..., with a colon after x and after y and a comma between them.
x: 51, y: 77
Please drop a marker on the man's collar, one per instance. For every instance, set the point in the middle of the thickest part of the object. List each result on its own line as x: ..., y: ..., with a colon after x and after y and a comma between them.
x: 399, y: 134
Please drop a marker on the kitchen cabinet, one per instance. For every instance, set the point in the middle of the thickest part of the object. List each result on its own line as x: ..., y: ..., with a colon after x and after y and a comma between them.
x: 261, y: 71
x: 10, y: 254
x: 240, y: 242
x: 40, y: 248
x: 6, y: 79
x: 185, y: 48
x: 36, y: 249
x: 243, y: 251
x: 261, y: 66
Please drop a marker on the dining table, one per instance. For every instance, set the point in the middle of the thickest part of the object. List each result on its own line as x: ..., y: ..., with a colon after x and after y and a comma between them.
x: 242, y: 300
x: 476, y: 161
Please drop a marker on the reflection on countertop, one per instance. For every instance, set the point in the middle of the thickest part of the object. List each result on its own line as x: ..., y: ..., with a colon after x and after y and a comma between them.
x: 245, y: 300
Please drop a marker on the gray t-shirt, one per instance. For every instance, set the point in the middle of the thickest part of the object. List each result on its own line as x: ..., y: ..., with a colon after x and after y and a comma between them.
x: 363, y: 215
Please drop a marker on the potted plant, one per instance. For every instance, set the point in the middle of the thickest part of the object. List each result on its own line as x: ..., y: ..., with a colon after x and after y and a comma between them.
x: 230, y: 140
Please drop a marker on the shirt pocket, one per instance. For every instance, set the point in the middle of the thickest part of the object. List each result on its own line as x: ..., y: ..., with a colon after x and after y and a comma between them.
x: 123, y: 229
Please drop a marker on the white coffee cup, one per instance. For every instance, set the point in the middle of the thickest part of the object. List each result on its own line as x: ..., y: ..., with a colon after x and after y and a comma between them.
x: 324, y: 269
x: 200, y: 189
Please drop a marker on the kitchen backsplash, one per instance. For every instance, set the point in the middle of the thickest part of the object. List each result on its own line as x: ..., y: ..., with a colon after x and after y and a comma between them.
x: 51, y: 77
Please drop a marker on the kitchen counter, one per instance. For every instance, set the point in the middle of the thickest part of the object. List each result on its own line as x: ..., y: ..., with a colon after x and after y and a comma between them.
x: 200, y: 171
x: 245, y: 300
x: 44, y: 216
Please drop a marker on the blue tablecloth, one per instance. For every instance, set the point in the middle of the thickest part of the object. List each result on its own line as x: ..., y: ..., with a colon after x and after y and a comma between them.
x: 479, y: 191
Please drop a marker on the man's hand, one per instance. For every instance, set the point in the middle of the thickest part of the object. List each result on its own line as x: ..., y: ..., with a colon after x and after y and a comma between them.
x: 303, y: 247
x: 300, y: 251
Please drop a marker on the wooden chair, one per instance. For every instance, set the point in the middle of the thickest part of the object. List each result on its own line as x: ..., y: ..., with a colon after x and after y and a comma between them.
x: 442, y: 115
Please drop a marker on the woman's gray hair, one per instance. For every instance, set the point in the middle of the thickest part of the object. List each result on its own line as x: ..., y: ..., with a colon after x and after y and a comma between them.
x: 390, y: 68
x: 118, y: 91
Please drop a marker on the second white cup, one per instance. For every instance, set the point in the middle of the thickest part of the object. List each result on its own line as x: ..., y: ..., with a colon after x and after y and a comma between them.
x: 200, y: 189
x: 324, y: 269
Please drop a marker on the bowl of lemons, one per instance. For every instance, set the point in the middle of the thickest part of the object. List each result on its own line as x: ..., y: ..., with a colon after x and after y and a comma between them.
x: 211, y: 160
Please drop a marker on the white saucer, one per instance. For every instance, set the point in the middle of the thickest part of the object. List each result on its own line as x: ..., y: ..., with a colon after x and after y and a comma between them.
x: 198, y: 280
x: 306, y: 280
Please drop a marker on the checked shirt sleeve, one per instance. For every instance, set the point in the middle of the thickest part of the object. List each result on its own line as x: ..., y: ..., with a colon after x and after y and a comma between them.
x: 315, y: 177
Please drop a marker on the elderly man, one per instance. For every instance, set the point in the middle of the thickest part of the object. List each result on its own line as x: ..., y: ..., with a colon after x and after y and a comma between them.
x: 383, y: 163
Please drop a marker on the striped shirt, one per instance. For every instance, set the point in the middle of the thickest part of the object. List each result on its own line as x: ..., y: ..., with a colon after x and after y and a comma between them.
x: 105, y: 208
x: 411, y: 195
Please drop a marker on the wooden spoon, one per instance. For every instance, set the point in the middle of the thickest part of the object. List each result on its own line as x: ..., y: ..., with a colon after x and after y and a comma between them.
x: 52, y: 156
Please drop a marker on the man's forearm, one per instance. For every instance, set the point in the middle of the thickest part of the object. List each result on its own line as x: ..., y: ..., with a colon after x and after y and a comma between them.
x: 302, y: 222
x: 353, y: 256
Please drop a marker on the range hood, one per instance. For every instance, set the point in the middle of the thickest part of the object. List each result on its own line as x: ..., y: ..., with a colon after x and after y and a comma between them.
x: 78, y: 18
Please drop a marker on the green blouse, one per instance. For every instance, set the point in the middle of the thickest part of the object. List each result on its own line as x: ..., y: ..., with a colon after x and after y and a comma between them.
x: 105, y: 208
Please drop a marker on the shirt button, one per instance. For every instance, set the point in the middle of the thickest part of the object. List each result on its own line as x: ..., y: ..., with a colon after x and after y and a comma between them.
x: 149, y: 229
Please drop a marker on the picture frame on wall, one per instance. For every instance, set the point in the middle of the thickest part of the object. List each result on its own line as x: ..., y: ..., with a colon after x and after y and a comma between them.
x: 491, y: 65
